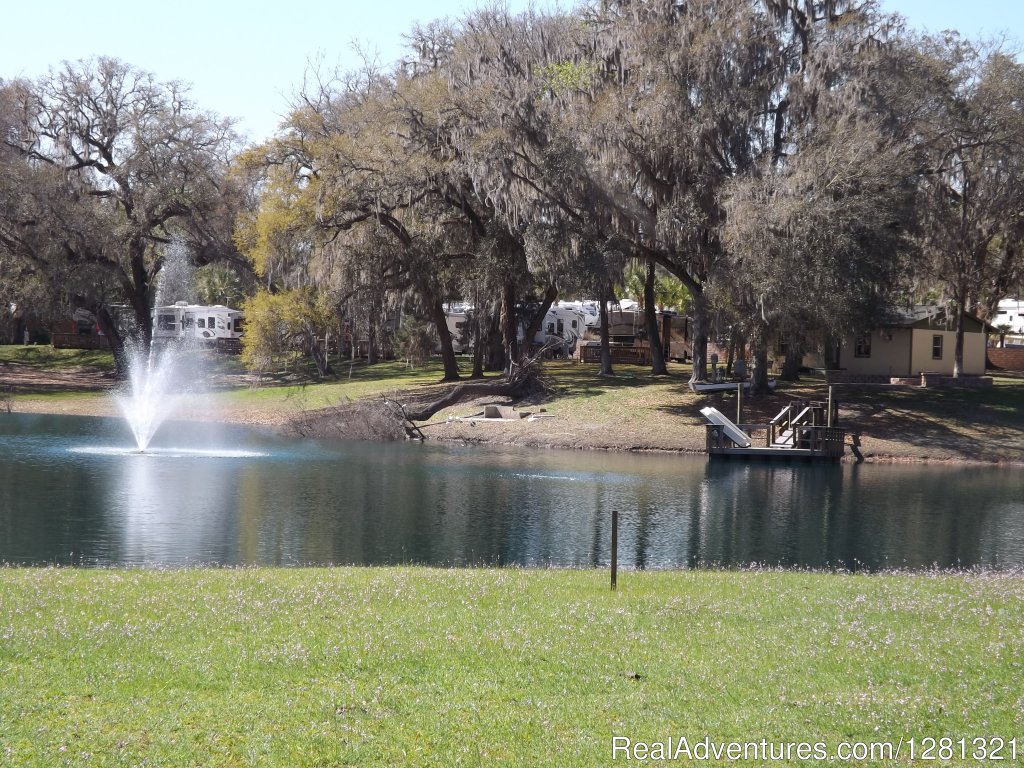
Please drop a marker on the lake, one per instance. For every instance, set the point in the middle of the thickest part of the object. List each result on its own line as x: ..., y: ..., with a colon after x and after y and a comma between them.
x: 71, y: 493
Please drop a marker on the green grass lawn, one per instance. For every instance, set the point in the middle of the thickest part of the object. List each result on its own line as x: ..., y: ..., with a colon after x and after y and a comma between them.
x: 364, y: 381
x: 408, y: 666
x: 46, y: 357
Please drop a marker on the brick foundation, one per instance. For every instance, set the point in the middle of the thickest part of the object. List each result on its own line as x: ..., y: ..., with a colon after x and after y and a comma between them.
x: 843, y: 377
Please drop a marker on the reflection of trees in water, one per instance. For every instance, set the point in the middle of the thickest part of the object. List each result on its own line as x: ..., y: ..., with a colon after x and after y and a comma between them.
x: 367, y: 504
x: 388, y: 505
x: 764, y: 513
x: 855, y: 517
x: 49, y: 513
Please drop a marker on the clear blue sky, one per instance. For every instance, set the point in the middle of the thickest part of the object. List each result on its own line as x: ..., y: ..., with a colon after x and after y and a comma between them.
x: 247, y: 59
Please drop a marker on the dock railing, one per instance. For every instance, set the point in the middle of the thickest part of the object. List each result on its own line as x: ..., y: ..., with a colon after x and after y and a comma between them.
x: 812, y: 413
x: 817, y: 440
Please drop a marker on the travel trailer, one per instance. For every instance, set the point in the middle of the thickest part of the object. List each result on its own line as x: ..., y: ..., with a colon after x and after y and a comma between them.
x: 561, y: 329
x: 217, y: 323
x: 1010, y: 312
x: 458, y: 318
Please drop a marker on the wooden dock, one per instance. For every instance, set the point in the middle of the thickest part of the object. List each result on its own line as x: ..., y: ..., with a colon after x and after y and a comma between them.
x: 803, y: 431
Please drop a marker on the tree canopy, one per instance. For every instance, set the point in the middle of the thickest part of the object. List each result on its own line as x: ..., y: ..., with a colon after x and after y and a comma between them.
x: 794, y: 165
x: 108, y: 166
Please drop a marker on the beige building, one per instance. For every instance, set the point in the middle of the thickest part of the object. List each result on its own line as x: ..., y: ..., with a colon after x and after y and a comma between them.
x: 919, y: 340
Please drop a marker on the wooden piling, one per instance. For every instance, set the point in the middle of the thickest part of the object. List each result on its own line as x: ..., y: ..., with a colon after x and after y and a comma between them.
x: 615, y: 547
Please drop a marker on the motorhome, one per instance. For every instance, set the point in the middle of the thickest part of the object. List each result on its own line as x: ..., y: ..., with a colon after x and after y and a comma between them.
x: 217, y: 323
x: 627, y: 326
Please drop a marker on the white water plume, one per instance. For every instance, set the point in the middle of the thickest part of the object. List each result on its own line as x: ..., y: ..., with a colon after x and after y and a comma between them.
x: 153, y: 392
x: 159, y: 376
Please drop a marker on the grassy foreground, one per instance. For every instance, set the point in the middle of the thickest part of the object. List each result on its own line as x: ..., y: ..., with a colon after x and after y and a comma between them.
x: 404, y: 666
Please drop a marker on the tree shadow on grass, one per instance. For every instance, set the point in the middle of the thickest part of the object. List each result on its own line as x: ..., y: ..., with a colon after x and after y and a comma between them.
x: 584, y: 381
x: 977, y: 424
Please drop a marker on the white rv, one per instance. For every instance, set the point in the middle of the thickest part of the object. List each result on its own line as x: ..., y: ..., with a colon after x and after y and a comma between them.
x: 1010, y: 312
x: 458, y: 327
x: 206, y: 323
x: 561, y: 329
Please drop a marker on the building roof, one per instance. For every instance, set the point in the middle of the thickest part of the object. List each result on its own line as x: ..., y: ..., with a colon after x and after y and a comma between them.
x: 931, y: 316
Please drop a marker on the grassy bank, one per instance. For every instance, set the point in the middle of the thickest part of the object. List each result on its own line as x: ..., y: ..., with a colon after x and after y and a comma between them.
x: 484, y: 667
x: 46, y: 357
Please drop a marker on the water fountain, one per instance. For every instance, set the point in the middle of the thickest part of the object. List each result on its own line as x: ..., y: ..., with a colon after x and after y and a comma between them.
x: 152, y: 393
x: 154, y: 387
x: 167, y: 374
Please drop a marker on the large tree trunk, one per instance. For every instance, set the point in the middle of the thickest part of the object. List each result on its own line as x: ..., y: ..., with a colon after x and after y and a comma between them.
x: 958, y: 353
x: 495, y: 346
x: 451, y: 364
x: 513, y: 387
x: 319, y: 356
x: 138, y: 289
x: 794, y: 356
x: 372, y: 357
x: 508, y: 325
x: 699, y: 315
x: 759, y: 348
x: 651, y: 320
x: 114, y: 338
x: 478, y: 347
x: 537, y: 321
x: 606, y: 351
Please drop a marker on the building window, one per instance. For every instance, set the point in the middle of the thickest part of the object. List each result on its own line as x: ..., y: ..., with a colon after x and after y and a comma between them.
x: 862, y: 345
x: 936, y: 347
x: 782, y: 344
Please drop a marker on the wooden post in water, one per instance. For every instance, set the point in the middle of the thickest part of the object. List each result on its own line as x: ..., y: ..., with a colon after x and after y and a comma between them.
x: 615, y: 546
x: 829, y: 417
x: 739, y: 404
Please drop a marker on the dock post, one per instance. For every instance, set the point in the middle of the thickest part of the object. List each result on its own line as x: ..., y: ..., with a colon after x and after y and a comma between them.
x: 829, y: 417
x: 615, y: 547
x: 739, y: 403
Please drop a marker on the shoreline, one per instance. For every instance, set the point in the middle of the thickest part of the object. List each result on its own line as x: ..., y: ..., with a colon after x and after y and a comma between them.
x: 627, y: 413
x: 514, y: 434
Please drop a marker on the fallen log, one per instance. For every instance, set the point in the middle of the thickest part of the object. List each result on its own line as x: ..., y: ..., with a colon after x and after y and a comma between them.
x: 473, y: 389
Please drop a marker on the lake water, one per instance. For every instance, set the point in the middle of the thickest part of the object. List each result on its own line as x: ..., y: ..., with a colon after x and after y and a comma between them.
x: 71, y: 494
